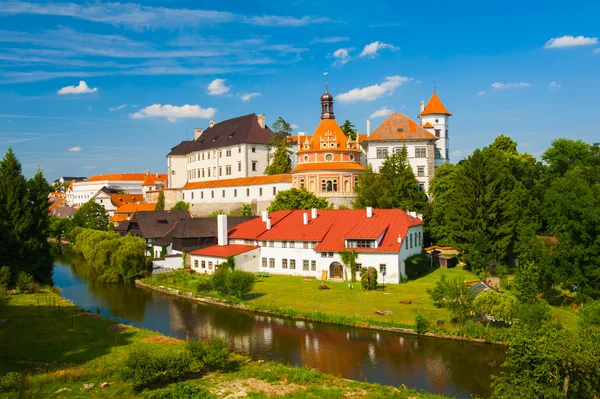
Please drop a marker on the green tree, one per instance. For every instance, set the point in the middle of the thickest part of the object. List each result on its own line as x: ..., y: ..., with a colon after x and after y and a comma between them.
x: 91, y: 215
x: 348, y: 258
x: 297, y: 199
x: 181, y: 206
x: 454, y: 295
x: 349, y: 129
x: 281, y: 126
x: 438, y: 223
x: 526, y: 283
x: 246, y: 210
x: 281, y: 162
x: 368, y: 278
x: 367, y: 189
x: 160, y: 202
x: 229, y: 263
x: 500, y: 307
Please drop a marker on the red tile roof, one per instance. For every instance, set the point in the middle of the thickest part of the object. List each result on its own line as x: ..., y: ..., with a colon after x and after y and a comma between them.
x: 327, y: 126
x: 224, y: 251
x: 400, y: 127
x: 428, y: 125
x: 120, y: 199
x: 328, y: 166
x: 128, y: 177
x: 148, y: 180
x: 435, y: 106
x: 240, y: 181
x: 126, y: 211
x: 331, y: 227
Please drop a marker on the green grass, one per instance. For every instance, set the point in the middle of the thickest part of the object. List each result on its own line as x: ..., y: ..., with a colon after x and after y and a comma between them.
x: 57, y: 345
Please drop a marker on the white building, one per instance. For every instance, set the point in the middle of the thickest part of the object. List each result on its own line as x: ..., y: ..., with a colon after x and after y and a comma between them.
x: 308, y: 242
x: 435, y: 118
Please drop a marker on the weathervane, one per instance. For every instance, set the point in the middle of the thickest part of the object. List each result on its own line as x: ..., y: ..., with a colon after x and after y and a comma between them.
x: 326, y: 82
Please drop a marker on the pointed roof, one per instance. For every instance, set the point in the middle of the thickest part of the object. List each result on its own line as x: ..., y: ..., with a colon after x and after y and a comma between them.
x: 399, y: 127
x: 148, y: 181
x: 328, y: 130
x: 435, y: 106
x: 428, y: 126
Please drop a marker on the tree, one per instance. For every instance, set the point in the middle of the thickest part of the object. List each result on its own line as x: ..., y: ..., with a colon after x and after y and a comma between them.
x: 367, y: 190
x: 281, y: 162
x: 349, y: 260
x: 281, y: 126
x: 229, y: 263
x: 91, y: 215
x: 297, y: 199
x: 160, y: 202
x: 526, y: 282
x: 368, y: 278
x: 246, y: 210
x: 454, y: 295
x: 181, y: 206
x: 442, y: 188
x: 500, y: 307
x: 349, y: 129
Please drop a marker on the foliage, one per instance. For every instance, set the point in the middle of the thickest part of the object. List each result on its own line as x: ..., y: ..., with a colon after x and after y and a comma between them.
x: 297, y: 199
x: 500, y: 307
x: 454, y: 295
x: 368, y: 278
x: 144, y: 368
x: 24, y: 220
x: 216, y: 213
x: 181, y: 206
x: 5, y: 277
x: 91, y: 215
x: 219, y: 280
x: 526, y: 283
x: 59, y: 227
x: 421, y: 324
x: 281, y: 126
x: 12, y: 382
x: 212, y: 353
x: 181, y: 391
x: 239, y: 283
x: 229, y: 263
x: 348, y: 258
x: 589, y: 315
x: 395, y: 187
x: 349, y: 129
x: 281, y: 163
x: 160, y: 202
x: 417, y: 265
x: 24, y: 282
x: 246, y: 210
x: 534, y: 315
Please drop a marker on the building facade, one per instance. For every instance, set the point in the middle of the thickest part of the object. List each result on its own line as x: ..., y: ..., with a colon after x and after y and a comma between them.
x: 434, y: 117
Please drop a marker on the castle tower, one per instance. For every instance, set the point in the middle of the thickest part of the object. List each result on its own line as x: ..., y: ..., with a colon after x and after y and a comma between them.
x: 436, y: 115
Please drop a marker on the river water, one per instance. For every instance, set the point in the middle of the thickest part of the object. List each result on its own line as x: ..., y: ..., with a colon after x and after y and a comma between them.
x: 460, y: 369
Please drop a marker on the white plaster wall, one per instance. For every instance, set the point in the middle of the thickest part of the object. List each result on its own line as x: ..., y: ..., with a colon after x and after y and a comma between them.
x: 84, y: 191
x: 176, y: 169
x: 248, y: 262
x: 241, y: 194
x: 444, y: 142
x: 171, y: 262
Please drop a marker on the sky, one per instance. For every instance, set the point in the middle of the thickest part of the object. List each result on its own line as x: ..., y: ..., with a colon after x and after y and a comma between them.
x: 102, y: 87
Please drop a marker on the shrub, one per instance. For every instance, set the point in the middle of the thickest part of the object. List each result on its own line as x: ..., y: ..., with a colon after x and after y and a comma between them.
x: 5, y: 276
x: 144, y: 369
x: 421, y: 324
x: 183, y: 391
x: 368, y: 278
x: 454, y: 295
x: 239, y: 283
x: 500, y: 307
x: 3, y: 295
x: 219, y: 280
x: 417, y: 265
x: 589, y: 315
x: 12, y: 382
x: 24, y: 281
x: 534, y: 314
x: 212, y: 354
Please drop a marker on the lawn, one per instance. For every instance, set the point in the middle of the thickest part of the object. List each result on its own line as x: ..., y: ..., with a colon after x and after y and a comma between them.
x: 61, y: 347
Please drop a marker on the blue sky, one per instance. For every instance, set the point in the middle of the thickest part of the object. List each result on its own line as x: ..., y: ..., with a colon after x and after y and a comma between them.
x: 152, y: 72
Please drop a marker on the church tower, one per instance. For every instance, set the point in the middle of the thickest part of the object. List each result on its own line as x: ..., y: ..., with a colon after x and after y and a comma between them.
x: 434, y: 117
x: 327, y: 104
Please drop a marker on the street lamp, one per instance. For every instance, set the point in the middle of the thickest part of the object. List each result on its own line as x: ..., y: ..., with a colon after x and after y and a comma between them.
x: 383, y: 274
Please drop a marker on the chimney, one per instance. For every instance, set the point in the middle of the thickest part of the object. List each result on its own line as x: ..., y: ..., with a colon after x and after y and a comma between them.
x: 305, y: 215
x: 222, y: 230
x: 399, y: 239
x: 197, y: 133
x: 413, y: 214
x: 422, y: 106
x: 369, y: 212
x: 269, y: 224
x: 313, y: 213
x: 261, y: 120
x: 419, y: 216
x: 368, y: 127
x: 211, y: 123
x: 265, y: 216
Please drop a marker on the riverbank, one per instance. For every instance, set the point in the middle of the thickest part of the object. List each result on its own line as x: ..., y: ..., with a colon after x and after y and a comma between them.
x: 393, y: 309
x: 64, y: 351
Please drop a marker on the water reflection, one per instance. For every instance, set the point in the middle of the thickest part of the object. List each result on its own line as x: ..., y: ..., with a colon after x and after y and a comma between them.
x: 447, y: 367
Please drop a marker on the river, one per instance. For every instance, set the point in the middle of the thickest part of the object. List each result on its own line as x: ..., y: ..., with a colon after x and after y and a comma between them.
x: 460, y: 369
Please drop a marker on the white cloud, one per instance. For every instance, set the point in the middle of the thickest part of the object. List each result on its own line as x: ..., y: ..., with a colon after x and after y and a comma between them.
x: 173, y: 112
x: 276, y: 20
x: 570, y: 41
x: 504, y: 86
x: 218, y: 87
x: 342, y: 56
x: 373, y: 92
x: 371, y: 49
x: 117, y: 108
x: 333, y: 39
x: 554, y: 86
x: 89, y: 167
x: 75, y: 149
x: 82, y: 88
x: 482, y: 93
x: 456, y: 153
x: 294, y: 126
x: 249, y: 96
x: 381, y: 113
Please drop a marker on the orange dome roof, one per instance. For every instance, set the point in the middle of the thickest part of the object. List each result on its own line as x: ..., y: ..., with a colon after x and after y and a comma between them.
x: 328, y: 137
x: 435, y: 106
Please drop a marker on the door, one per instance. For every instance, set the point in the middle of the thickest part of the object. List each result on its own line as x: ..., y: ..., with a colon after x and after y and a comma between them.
x: 335, y: 270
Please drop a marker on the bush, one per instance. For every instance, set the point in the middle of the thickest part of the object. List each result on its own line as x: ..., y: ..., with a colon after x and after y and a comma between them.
x: 368, y: 278
x: 181, y: 390
x: 24, y: 282
x: 5, y: 276
x: 12, y: 382
x: 219, y: 280
x: 212, y: 354
x: 498, y: 306
x: 144, y: 369
x: 534, y: 314
x: 421, y: 324
x: 417, y: 265
x: 589, y: 315
x: 454, y: 295
x: 239, y: 283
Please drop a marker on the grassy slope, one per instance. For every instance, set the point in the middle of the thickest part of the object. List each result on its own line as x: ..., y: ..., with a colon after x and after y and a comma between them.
x: 61, y: 346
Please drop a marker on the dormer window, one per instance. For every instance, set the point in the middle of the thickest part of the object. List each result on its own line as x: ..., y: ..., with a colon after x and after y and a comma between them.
x: 360, y: 244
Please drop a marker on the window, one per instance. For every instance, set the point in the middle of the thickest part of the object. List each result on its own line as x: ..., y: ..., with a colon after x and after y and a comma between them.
x: 446, y: 133
x: 212, y: 194
x: 192, y: 195
x: 253, y: 149
x: 305, y: 265
x: 329, y: 157
x: 208, y: 155
x: 420, y: 171
x: 305, y: 244
x: 284, y: 264
x: 411, y: 244
x: 264, y: 262
x: 422, y: 186
x: 228, y: 170
x: 264, y: 243
x: 239, y: 150
x: 210, y: 264
x: 235, y: 192
x: 361, y: 244
x: 274, y: 190
x: 438, y: 155
x: 358, y: 267
x: 220, y: 154
x: 302, y: 182
x: 329, y: 185
x: 223, y: 193
x: 447, y: 157
x: 313, y: 244
x: 202, y: 172
x: 397, y: 150
x: 204, y: 264
x: 313, y: 265
x: 208, y: 171
x: 220, y: 171
x: 437, y: 132
x: 405, y: 243
x: 292, y: 244
x: 382, y: 152
x: 272, y: 263
x: 203, y: 156
x: 228, y: 153
x: 240, y: 166
x: 271, y: 244
x: 326, y: 254
x: 382, y: 268
x: 196, y: 264
x: 254, y: 166
x: 293, y: 264
x: 260, y: 191
x: 247, y: 192
x: 421, y: 152
x: 283, y: 244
